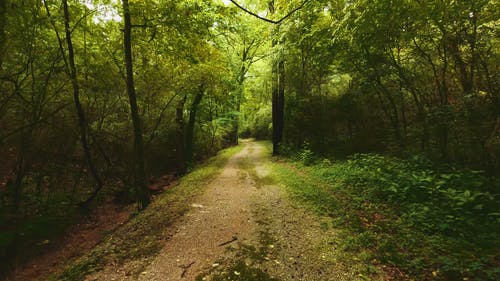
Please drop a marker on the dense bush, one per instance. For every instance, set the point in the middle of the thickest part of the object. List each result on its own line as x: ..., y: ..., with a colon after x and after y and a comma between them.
x: 438, y: 222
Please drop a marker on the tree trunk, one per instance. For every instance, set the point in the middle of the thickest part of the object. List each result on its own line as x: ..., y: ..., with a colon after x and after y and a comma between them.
x: 278, y: 101
x: 274, y: 89
x: 191, y: 123
x: 278, y: 90
x: 82, y: 124
x: 139, y: 161
x: 239, y: 98
x: 240, y: 79
x: 14, y: 187
x: 180, y: 145
x: 281, y: 103
x: 3, y: 22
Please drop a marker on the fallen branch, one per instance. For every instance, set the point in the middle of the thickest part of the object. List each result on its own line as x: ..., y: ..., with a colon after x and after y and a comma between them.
x: 230, y: 241
x: 185, y: 269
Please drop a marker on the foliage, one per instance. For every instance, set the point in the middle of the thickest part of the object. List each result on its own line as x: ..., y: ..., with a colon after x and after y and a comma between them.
x: 43, y: 173
x: 399, y: 77
x: 408, y: 214
x: 143, y: 235
x: 306, y: 156
x: 395, y: 76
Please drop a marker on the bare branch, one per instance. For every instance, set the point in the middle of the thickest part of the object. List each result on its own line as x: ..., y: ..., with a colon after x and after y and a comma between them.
x: 15, y: 131
x: 269, y: 20
x: 158, y: 121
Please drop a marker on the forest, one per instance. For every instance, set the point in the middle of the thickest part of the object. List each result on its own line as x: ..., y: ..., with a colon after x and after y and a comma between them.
x: 379, y: 118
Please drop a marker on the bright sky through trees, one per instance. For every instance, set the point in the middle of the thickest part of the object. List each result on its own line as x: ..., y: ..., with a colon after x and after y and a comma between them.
x: 103, y: 12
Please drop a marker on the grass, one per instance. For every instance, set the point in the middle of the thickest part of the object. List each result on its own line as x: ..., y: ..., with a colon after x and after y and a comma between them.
x: 403, y: 217
x: 400, y: 217
x: 242, y: 271
x: 141, y: 237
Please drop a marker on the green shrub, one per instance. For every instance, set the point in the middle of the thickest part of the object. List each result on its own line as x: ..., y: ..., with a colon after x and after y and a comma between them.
x: 306, y: 155
x: 424, y: 219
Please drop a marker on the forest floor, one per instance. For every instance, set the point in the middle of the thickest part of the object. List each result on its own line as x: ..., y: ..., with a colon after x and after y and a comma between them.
x: 78, y: 239
x: 228, y: 219
x: 241, y: 228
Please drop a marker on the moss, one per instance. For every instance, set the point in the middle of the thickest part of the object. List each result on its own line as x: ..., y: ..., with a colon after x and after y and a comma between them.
x: 245, y: 265
x: 79, y: 270
x: 243, y: 271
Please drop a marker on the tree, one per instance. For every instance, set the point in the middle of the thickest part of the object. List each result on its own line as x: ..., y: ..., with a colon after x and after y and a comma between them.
x: 139, y: 161
x: 82, y: 124
x: 246, y: 45
x: 3, y: 18
x: 278, y: 88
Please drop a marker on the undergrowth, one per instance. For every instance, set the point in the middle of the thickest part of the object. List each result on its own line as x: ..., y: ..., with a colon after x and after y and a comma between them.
x: 411, y: 218
x: 141, y: 237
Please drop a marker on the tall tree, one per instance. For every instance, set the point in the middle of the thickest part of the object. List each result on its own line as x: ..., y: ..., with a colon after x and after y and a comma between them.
x: 278, y: 87
x: 140, y: 183
x: 3, y: 21
x: 82, y: 123
x: 278, y: 77
x: 192, y: 120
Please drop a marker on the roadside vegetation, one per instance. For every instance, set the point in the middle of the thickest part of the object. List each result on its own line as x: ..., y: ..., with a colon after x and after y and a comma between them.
x: 408, y: 217
x: 100, y: 98
x: 141, y: 238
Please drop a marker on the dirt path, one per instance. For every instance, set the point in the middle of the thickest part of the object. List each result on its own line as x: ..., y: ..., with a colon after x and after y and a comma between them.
x: 220, y: 215
x: 242, y: 228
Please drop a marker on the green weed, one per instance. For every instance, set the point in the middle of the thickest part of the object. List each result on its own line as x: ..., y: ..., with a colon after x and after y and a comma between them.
x: 441, y: 224
x: 142, y: 236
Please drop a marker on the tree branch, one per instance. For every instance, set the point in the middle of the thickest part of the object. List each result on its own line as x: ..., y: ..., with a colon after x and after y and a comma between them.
x: 15, y: 131
x: 269, y: 20
x: 158, y: 121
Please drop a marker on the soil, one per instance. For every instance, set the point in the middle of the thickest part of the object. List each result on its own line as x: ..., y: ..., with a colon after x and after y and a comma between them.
x: 243, y: 227
x: 79, y: 239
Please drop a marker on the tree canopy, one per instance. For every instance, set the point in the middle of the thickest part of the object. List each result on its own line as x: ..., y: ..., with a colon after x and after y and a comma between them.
x: 102, y: 96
